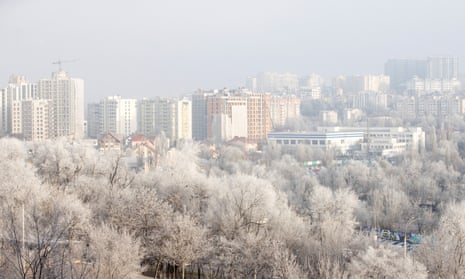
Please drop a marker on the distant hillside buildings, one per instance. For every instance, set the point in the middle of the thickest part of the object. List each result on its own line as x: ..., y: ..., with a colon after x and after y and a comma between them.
x: 409, y: 89
x: 423, y: 75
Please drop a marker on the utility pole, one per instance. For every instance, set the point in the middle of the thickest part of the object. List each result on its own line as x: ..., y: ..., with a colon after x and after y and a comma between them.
x: 405, y: 235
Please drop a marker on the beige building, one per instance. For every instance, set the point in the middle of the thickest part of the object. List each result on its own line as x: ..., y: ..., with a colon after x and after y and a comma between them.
x: 226, y: 116
x: 258, y: 116
x: 36, y: 119
x: 239, y: 114
x: 283, y: 108
x: 184, y: 119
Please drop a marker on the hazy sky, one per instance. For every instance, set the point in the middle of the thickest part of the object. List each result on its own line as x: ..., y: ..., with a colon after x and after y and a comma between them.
x: 146, y: 48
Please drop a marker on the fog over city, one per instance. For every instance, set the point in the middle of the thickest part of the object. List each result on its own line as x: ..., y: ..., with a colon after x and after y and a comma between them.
x: 153, y: 48
x: 232, y: 139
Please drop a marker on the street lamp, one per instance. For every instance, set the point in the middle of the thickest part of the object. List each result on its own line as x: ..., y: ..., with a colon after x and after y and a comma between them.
x: 405, y: 235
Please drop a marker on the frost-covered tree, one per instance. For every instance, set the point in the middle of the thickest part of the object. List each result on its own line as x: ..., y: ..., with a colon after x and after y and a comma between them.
x: 37, y: 231
x: 332, y: 227
x: 112, y: 254
x: 184, y: 243
x: 384, y: 263
x: 443, y: 252
x: 242, y: 203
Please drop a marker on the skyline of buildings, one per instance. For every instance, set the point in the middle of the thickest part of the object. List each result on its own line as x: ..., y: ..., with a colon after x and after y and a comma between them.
x: 50, y: 108
x: 54, y: 107
x: 437, y: 69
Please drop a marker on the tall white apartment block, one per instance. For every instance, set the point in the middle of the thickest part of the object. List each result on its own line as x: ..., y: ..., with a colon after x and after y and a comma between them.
x: 67, y: 104
x: 171, y: 117
x: 109, y: 115
x: 128, y: 119
x: 118, y: 116
x: 184, y: 119
x: 18, y: 89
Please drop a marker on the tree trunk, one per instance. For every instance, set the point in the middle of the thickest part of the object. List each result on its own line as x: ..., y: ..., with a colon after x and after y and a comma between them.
x: 182, y: 270
x: 155, y: 273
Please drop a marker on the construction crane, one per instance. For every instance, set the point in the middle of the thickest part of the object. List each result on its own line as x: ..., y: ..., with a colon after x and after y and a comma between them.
x: 59, y: 62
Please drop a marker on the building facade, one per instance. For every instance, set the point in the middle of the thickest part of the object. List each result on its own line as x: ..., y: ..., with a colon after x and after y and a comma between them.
x: 117, y: 116
x: 184, y: 119
x: 283, y: 108
x: 67, y: 104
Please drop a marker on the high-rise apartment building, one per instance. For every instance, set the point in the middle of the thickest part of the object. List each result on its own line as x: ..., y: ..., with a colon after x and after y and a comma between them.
x: 128, y: 116
x: 443, y: 68
x: 93, y: 120
x: 36, y: 119
x: 18, y: 89
x: 401, y: 70
x: 251, y: 84
x: 199, y: 114
x: 164, y: 115
x: 238, y: 113
x: 67, y: 104
x: 118, y: 116
x: 146, y: 116
x: 16, y: 118
x: 431, y: 69
x: 166, y: 118
x: 30, y: 119
x: 283, y: 108
x: 184, y: 119
x: 258, y: 116
x: 227, y: 116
